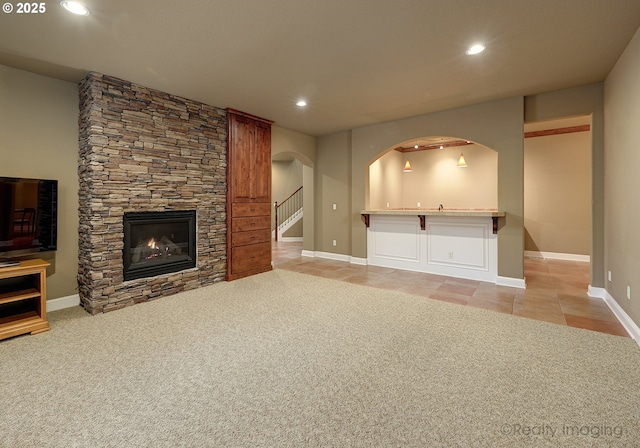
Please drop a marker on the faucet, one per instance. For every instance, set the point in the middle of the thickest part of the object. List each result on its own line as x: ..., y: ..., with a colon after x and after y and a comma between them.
x: 440, y: 208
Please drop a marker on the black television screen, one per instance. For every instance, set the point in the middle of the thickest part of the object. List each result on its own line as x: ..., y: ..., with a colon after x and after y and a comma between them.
x: 28, y: 216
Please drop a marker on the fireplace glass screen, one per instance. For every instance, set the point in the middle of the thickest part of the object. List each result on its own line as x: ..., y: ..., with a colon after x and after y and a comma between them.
x: 158, y: 243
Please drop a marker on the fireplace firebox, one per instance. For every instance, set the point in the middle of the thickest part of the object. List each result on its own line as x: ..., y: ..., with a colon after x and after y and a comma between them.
x: 158, y: 243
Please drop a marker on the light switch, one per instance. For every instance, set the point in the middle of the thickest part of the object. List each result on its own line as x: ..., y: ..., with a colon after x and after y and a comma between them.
x: 334, y: 206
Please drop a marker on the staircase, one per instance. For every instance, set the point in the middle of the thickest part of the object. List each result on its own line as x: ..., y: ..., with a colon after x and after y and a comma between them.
x: 287, y: 213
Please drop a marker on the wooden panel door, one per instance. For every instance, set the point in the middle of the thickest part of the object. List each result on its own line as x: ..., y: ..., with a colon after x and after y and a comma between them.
x: 241, y: 158
x: 261, y: 179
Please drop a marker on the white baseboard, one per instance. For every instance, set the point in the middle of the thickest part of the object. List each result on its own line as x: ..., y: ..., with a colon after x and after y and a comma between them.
x: 291, y: 239
x: 332, y: 256
x: 512, y: 282
x: 556, y: 256
x: 629, y: 325
x: 598, y: 293
x: 63, y: 302
x: 359, y: 261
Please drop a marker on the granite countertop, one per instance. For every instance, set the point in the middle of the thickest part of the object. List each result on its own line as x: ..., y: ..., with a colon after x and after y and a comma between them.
x: 435, y: 212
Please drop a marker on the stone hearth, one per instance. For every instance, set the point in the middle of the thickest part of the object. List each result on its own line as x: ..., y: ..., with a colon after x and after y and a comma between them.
x: 146, y: 150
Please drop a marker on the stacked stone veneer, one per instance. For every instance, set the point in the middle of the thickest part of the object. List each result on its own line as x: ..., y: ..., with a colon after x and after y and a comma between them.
x: 146, y: 150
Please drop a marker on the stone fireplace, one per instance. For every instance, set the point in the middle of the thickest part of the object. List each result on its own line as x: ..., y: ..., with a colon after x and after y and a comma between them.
x: 143, y: 151
x: 158, y: 243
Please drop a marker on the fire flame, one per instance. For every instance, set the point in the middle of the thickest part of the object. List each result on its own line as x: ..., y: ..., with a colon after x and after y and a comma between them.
x: 152, y: 244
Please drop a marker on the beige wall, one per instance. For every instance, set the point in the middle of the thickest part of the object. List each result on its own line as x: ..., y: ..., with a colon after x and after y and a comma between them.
x: 622, y: 183
x: 586, y: 100
x: 435, y: 179
x: 297, y: 145
x: 286, y: 177
x: 557, y: 193
x: 385, y: 181
x: 497, y: 125
x: 333, y: 186
x: 39, y: 139
x: 308, y: 198
x: 295, y: 231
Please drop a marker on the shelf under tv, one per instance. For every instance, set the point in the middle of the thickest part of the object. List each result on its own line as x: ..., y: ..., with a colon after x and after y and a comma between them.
x: 23, y: 298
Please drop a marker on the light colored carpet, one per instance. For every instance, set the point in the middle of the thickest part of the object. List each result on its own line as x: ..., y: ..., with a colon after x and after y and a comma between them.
x: 283, y: 359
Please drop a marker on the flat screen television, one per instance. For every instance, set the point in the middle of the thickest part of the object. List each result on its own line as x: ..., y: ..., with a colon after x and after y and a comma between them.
x: 28, y: 216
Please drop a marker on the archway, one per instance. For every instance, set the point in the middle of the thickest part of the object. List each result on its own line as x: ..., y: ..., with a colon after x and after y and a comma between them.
x: 435, y: 178
x: 292, y: 178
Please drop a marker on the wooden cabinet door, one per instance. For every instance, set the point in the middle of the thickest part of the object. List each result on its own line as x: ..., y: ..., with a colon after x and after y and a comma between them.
x: 250, y: 160
x: 261, y: 179
x: 241, y: 158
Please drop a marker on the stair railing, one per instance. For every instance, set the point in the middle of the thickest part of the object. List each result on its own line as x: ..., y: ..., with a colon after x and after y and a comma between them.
x: 287, y: 208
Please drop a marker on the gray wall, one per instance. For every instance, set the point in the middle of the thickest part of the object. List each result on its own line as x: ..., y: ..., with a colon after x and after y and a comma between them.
x: 39, y: 138
x: 622, y: 183
x: 557, y: 193
x: 333, y: 186
x: 286, y: 177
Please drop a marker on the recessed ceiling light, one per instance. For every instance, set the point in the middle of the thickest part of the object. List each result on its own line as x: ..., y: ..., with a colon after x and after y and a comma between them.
x: 301, y: 103
x: 475, y: 49
x: 75, y: 7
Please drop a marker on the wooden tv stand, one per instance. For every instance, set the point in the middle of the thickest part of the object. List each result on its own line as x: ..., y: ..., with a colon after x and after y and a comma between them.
x: 23, y: 298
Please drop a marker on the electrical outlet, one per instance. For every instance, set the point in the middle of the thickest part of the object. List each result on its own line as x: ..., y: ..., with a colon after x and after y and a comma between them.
x: 334, y: 206
x: 418, y: 204
x: 629, y: 292
x: 387, y: 205
x: 450, y: 255
x: 609, y: 275
x: 334, y: 242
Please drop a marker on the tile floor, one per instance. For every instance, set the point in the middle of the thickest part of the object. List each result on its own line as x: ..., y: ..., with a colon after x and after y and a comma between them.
x: 556, y: 289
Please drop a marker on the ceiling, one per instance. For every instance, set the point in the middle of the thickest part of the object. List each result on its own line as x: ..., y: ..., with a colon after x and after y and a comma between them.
x: 356, y: 62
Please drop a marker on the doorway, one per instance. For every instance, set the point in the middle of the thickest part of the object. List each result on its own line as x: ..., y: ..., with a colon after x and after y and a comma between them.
x: 557, y: 189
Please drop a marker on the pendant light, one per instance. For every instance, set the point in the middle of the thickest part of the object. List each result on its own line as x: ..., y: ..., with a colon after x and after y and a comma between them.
x: 461, y: 162
x: 407, y: 167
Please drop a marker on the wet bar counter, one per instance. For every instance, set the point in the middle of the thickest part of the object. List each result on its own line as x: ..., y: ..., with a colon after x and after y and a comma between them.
x: 456, y: 242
